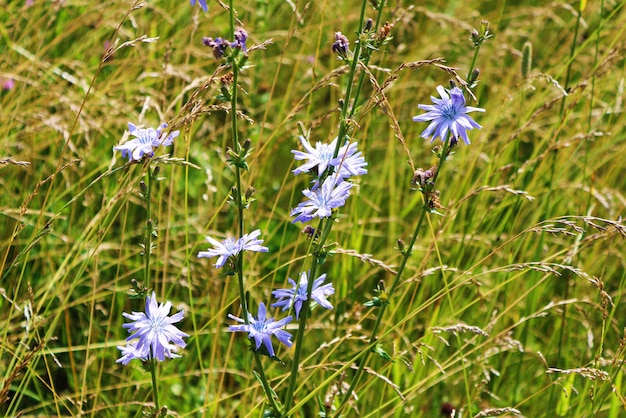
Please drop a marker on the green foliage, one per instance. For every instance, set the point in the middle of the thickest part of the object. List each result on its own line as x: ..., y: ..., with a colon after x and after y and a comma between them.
x: 513, y: 298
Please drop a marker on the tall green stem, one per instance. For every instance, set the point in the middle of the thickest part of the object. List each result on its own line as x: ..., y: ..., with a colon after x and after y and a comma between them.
x: 147, y: 251
x: 155, y: 383
x: 237, y: 196
x: 304, y: 314
x: 381, y: 310
x: 237, y: 192
x: 325, y: 226
x: 368, y: 55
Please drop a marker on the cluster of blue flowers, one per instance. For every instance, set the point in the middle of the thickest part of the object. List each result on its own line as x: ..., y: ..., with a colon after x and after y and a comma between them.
x: 261, y: 328
x: 335, y: 189
x: 153, y: 333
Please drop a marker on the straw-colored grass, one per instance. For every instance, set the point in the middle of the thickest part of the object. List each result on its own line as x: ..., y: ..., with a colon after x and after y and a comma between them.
x: 512, y: 303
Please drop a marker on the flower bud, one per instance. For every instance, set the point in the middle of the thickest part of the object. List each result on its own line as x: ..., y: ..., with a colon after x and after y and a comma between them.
x: 218, y: 45
x: 341, y: 46
x: 241, y: 36
x: 368, y: 25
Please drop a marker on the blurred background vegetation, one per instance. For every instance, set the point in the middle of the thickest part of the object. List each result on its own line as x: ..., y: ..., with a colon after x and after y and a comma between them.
x: 529, y: 250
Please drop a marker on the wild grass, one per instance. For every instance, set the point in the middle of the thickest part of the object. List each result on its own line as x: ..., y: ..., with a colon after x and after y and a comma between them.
x: 512, y: 303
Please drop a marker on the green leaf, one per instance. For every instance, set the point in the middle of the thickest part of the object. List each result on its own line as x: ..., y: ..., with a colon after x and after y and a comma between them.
x: 381, y: 352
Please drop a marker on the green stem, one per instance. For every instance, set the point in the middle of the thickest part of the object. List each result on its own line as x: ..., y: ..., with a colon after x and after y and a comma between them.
x: 381, y: 311
x: 147, y: 251
x: 237, y: 192
x: 266, y: 386
x: 323, y: 226
x: 304, y: 314
x: 368, y: 55
x: 343, y: 122
x: 155, y: 386
x: 237, y: 196
x: 474, y: 59
x: 231, y: 15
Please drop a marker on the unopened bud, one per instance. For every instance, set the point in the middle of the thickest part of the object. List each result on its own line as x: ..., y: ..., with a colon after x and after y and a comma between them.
x: 475, y: 37
x: 474, y: 76
x: 309, y: 230
x: 249, y: 192
x: 246, y: 145
x: 341, y: 46
x: 368, y: 25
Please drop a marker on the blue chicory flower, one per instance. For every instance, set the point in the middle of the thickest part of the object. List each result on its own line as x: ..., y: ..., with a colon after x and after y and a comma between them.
x: 130, y: 352
x: 153, y: 334
x: 262, y: 328
x: 231, y: 247
x: 349, y: 160
x: 448, y: 114
x: 202, y: 4
x: 145, y: 141
x: 298, y: 294
x: 321, y: 201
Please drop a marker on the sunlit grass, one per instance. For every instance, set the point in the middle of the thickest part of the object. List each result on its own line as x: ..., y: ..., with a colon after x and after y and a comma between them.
x: 512, y: 299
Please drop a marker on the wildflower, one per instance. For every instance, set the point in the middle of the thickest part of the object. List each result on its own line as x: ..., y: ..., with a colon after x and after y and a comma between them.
x: 202, y: 4
x: 448, y: 114
x: 130, y: 352
x: 341, y: 46
x: 153, y: 333
x: 241, y: 36
x: 219, y: 46
x: 332, y: 194
x: 231, y: 247
x: 145, y: 141
x: 349, y: 160
x: 261, y: 329
x: 298, y: 294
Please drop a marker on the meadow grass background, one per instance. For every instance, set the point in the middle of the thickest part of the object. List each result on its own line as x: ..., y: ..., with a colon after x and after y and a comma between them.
x: 529, y: 250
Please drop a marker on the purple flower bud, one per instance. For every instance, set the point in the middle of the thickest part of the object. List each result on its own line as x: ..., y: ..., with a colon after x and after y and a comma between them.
x: 341, y: 46
x: 241, y: 36
x: 218, y: 44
